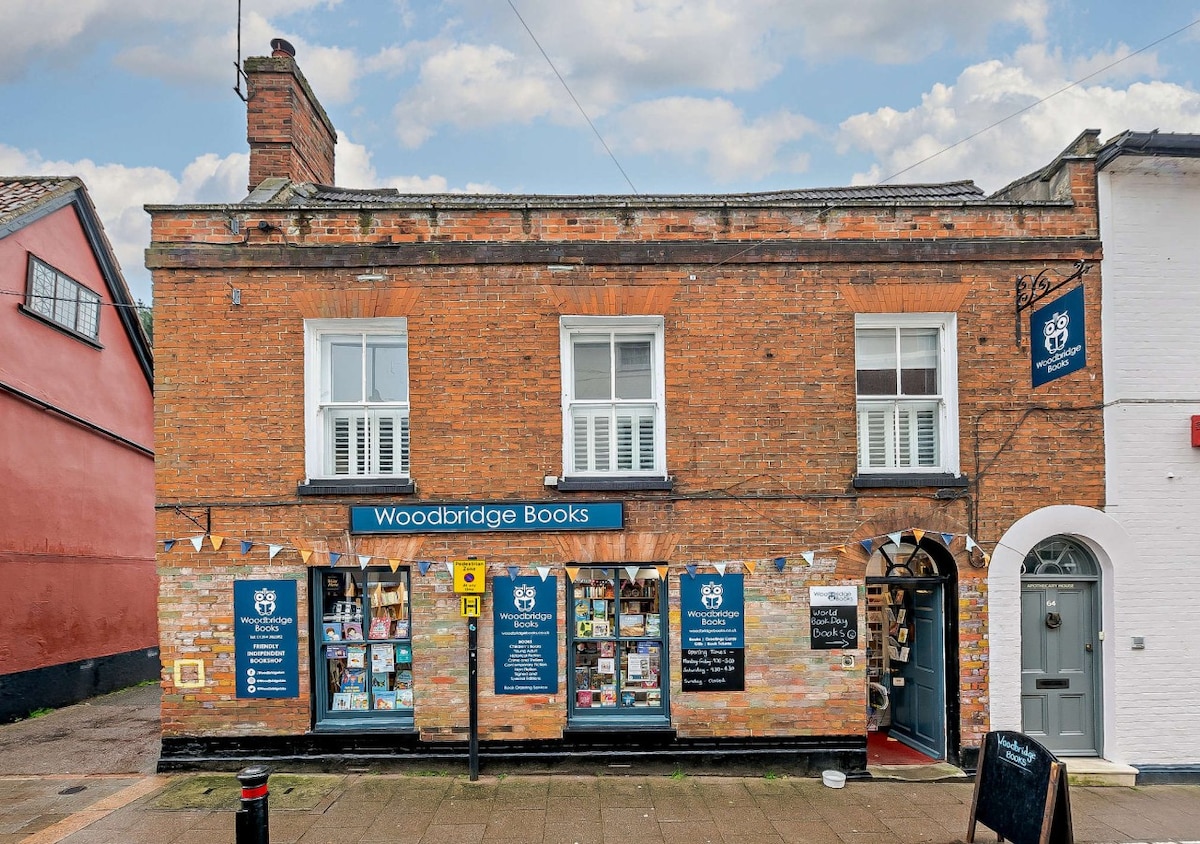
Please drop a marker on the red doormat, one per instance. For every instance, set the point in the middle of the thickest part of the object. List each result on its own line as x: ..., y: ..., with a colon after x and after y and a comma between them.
x: 882, y: 750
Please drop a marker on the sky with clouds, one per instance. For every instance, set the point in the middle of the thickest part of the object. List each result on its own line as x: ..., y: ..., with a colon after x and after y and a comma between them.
x: 685, y: 96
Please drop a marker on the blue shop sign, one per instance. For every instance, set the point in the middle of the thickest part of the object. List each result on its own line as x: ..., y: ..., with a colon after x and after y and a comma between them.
x: 1057, y: 339
x: 525, y: 616
x: 265, y: 638
x: 712, y: 611
x: 484, y: 516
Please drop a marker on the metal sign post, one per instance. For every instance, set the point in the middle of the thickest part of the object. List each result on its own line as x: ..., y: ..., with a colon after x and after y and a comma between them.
x: 473, y: 694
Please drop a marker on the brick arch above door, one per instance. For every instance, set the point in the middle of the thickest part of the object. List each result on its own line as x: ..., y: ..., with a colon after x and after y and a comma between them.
x: 618, y: 548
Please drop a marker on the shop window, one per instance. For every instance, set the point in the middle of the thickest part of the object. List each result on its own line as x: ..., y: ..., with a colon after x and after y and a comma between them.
x: 614, y: 417
x: 619, y: 668
x: 364, y: 658
x: 61, y: 300
x: 906, y: 377
x: 357, y: 399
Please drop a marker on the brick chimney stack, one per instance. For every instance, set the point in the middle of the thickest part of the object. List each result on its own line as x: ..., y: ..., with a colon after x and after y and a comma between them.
x: 289, y: 133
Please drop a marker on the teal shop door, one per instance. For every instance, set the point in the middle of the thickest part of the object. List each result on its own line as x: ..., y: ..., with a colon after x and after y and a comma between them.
x: 919, y: 683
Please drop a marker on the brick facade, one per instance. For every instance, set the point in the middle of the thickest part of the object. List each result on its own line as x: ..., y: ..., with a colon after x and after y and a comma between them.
x: 759, y: 296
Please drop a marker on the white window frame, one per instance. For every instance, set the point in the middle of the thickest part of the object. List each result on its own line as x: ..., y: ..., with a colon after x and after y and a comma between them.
x: 69, y: 305
x: 616, y: 327
x: 315, y: 433
x: 946, y: 399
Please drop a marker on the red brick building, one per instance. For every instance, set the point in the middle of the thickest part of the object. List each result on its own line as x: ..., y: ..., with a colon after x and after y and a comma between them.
x: 78, y: 609
x: 688, y: 436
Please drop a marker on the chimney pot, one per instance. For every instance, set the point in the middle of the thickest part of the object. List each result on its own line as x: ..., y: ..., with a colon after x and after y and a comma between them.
x: 281, y: 48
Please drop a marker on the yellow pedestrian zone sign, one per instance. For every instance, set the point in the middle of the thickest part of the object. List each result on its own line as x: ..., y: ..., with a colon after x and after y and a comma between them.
x: 470, y: 576
x: 470, y: 605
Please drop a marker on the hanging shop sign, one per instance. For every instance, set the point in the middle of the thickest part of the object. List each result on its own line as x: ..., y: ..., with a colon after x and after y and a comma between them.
x: 484, y: 516
x: 1057, y: 343
x: 265, y: 638
x: 712, y: 632
x: 833, y: 616
x: 525, y: 620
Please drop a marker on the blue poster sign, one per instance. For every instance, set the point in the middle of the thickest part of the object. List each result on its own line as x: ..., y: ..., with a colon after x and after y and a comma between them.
x: 712, y: 611
x: 1057, y: 338
x: 525, y: 616
x: 488, y: 516
x: 265, y: 638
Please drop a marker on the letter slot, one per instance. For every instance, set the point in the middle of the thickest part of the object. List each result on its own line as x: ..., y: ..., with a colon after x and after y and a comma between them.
x: 1052, y: 684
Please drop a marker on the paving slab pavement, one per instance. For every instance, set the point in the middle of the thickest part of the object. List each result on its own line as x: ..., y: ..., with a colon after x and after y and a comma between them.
x: 105, y: 792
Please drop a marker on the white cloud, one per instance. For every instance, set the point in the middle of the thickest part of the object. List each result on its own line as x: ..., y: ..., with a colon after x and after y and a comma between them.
x: 716, y: 133
x: 119, y: 192
x: 470, y: 86
x: 990, y: 92
x: 354, y: 169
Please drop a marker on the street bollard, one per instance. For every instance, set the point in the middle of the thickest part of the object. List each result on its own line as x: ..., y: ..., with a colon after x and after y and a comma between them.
x: 252, y: 823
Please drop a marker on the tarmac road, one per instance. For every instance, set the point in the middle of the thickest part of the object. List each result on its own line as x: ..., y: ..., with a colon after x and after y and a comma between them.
x: 85, y: 775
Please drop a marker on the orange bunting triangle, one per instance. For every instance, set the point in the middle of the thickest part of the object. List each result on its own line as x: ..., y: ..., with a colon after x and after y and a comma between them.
x: 917, y: 534
x: 749, y: 564
x: 217, y: 542
x: 662, y: 572
x: 572, y: 572
x: 305, y: 554
x: 395, y: 564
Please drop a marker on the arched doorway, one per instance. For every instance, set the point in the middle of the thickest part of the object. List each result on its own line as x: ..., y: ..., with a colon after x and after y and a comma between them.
x: 912, y: 644
x: 1060, y: 647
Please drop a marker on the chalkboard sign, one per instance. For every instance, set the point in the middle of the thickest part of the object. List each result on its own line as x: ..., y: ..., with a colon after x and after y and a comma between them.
x: 834, y: 627
x: 1021, y: 792
x: 713, y: 669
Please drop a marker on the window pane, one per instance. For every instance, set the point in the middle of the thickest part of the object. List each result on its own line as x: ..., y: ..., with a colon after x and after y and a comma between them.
x: 387, y: 369
x: 64, y: 305
x: 919, y: 361
x: 89, y: 313
x: 42, y: 300
x: 875, y: 361
x: 633, y: 369
x: 345, y: 368
x: 593, y: 373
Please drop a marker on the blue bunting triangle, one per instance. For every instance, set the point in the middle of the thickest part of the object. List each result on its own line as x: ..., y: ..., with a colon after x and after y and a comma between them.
x: 780, y: 562
x: 691, y: 569
x: 334, y: 556
x: 869, y: 544
x: 246, y: 546
x: 424, y: 565
x: 947, y: 538
x: 512, y: 572
x: 168, y: 544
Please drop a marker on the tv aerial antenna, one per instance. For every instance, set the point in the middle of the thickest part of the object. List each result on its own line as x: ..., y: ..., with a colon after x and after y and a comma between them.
x: 237, y: 65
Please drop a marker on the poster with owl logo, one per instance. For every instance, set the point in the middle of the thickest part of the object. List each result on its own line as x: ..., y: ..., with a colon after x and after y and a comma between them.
x: 1057, y: 342
x: 525, y: 612
x: 712, y: 632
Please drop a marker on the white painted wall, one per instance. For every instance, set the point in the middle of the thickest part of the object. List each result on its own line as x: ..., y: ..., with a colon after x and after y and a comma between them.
x: 1150, y: 228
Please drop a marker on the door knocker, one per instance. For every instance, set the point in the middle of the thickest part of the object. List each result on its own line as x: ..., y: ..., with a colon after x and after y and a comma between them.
x: 1053, y: 620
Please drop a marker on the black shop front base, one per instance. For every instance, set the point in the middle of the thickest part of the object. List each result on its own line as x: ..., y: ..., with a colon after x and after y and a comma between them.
x: 628, y: 751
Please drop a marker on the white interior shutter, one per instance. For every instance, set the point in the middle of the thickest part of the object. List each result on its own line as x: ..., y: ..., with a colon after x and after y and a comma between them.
x: 646, y: 441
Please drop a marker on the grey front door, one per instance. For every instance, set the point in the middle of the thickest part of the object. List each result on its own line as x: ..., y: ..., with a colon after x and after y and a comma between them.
x: 1059, y: 644
x: 919, y: 685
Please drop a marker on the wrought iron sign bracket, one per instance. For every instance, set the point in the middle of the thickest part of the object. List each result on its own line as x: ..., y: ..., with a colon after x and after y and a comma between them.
x: 1031, y: 288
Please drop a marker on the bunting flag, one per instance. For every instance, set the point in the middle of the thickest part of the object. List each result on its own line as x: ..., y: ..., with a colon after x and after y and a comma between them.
x: 839, y: 549
x: 217, y: 542
x: 334, y: 556
x: 364, y: 560
x: 512, y: 572
x: 918, y: 535
x: 272, y: 550
x: 971, y: 546
x: 987, y: 558
x: 544, y: 571
x: 168, y: 544
x: 780, y: 562
x: 869, y: 544
x: 720, y: 567
x: 895, y: 537
x: 450, y: 567
x: 246, y: 546
x: 423, y: 566
x: 749, y: 564
x: 632, y: 571
x: 197, y: 541
x: 662, y: 571
x: 947, y: 538
x: 572, y: 572
x: 809, y: 556
x: 691, y: 569
x: 393, y: 564
x: 305, y: 554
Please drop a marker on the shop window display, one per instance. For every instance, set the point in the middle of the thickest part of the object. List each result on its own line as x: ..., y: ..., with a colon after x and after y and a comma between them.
x: 364, y: 660
x: 619, y: 660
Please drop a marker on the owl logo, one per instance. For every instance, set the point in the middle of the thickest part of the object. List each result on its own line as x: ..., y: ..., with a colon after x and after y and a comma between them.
x: 1055, y: 330
x: 524, y: 597
x: 264, y: 601
x: 712, y: 595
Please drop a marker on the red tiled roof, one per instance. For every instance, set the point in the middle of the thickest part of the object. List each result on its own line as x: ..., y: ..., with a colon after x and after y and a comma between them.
x: 19, y: 194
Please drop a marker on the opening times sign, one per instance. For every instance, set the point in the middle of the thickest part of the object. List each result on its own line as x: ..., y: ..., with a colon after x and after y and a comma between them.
x: 266, y: 638
x: 712, y: 633
x: 525, y: 617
